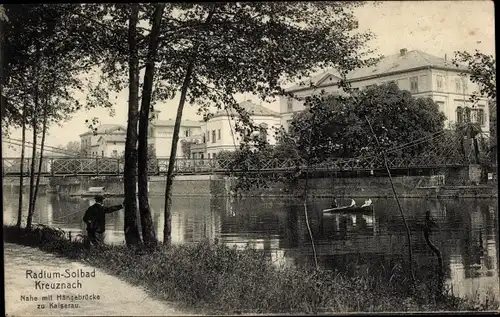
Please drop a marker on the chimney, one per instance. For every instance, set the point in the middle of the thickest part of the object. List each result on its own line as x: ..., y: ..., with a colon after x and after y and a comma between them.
x: 403, y: 51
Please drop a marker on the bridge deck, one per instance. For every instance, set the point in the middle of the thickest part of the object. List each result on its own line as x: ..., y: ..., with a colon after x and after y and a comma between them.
x: 65, y: 167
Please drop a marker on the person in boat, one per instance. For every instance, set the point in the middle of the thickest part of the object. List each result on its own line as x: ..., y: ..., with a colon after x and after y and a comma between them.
x: 367, y: 203
x: 95, y: 219
x: 353, y: 203
x: 334, y: 203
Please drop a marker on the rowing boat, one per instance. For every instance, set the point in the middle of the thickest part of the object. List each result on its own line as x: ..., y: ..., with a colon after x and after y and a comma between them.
x: 354, y: 209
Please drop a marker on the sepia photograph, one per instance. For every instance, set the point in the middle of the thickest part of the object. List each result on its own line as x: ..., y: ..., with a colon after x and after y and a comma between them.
x: 249, y: 158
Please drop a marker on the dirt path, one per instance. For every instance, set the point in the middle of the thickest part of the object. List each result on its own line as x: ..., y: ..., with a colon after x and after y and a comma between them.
x: 100, y: 295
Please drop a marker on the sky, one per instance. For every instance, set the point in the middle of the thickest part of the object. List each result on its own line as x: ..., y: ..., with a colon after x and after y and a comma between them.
x: 435, y: 27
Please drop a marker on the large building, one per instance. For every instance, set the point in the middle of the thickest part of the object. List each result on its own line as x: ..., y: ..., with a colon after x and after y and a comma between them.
x: 421, y: 74
x: 219, y: 134
x: 108, y: 140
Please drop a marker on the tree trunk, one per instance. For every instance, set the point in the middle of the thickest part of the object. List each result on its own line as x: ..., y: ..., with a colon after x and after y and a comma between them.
x: 167, y: 228
x: 148, y: 230
x: 42, y: 142
x: 32, y: 168
x: 34, y: 124
x: 33, y: 158
x: 132, y: 236
x: 21, y: 178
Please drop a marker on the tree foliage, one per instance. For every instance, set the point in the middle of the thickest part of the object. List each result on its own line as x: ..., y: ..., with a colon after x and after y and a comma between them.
x: 47, y: 45
x: 73, y: 146
x: 339, y: 127
x: 482, y: 68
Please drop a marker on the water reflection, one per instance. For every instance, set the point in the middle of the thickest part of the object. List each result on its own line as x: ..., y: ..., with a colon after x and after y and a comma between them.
x: 466, y: 233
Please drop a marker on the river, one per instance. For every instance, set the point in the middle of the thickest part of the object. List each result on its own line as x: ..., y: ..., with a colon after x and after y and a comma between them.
x: 466, y: 233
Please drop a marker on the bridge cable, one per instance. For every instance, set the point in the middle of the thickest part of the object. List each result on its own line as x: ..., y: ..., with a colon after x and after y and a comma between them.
x: 45, y: 145
x: 50, y: 149
x: 418, y: 141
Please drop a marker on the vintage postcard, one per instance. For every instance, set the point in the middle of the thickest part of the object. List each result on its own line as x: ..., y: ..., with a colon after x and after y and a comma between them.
x: 223, y: 158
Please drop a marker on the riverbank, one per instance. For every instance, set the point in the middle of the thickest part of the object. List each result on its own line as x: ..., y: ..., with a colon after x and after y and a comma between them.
x: 99, y: 295
x: 215, y: 279
x: 438, y: 186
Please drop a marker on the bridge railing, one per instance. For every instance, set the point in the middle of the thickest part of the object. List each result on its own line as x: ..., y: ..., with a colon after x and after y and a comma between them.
x: 13, y: 165
x: 115, y: 166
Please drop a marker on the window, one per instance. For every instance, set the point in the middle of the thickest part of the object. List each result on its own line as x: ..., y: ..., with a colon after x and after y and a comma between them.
x: 213, y: 136
x: 102, y: 152
x: 440, y: 105
x: 214, y: 155
x: 208, y: 155
x: 458, y: 85
x: 439, y: 83
x: 414, y: 84
x: 467, y: 114
x: 204, y: 138
x: 115, y: 153
x: 218, y: 134
x: 186, y: 133
x: 202, y: 156
x: 460, y: 114
x: 481, y: 117
x: 289, y: 104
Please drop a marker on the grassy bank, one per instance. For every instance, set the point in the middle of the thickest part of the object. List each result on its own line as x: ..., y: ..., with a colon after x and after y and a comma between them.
x: 217, y: 279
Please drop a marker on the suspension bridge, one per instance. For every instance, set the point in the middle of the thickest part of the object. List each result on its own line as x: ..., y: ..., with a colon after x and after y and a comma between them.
x: 433, y: 152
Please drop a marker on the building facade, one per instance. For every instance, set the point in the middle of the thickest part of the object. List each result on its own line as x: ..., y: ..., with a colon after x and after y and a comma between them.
x: 219, y: 134
x: 161, y: 134
x: 422, y: 74
x: 109, y: 139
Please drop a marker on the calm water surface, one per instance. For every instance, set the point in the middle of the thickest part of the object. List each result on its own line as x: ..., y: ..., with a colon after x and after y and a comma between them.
x: 467, y: 232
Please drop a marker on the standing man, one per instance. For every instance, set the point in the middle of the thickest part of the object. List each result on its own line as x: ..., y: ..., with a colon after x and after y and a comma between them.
x: 95, y: 218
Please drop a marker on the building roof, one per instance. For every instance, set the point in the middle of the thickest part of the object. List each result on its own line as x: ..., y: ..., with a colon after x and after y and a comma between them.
x: 171, y: 123
x: 252, y: 108
x: 395, y: 63
x: 105, y: 128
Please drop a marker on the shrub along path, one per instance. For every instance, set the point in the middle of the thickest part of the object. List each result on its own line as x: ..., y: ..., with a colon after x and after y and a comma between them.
x: 115, y: 296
